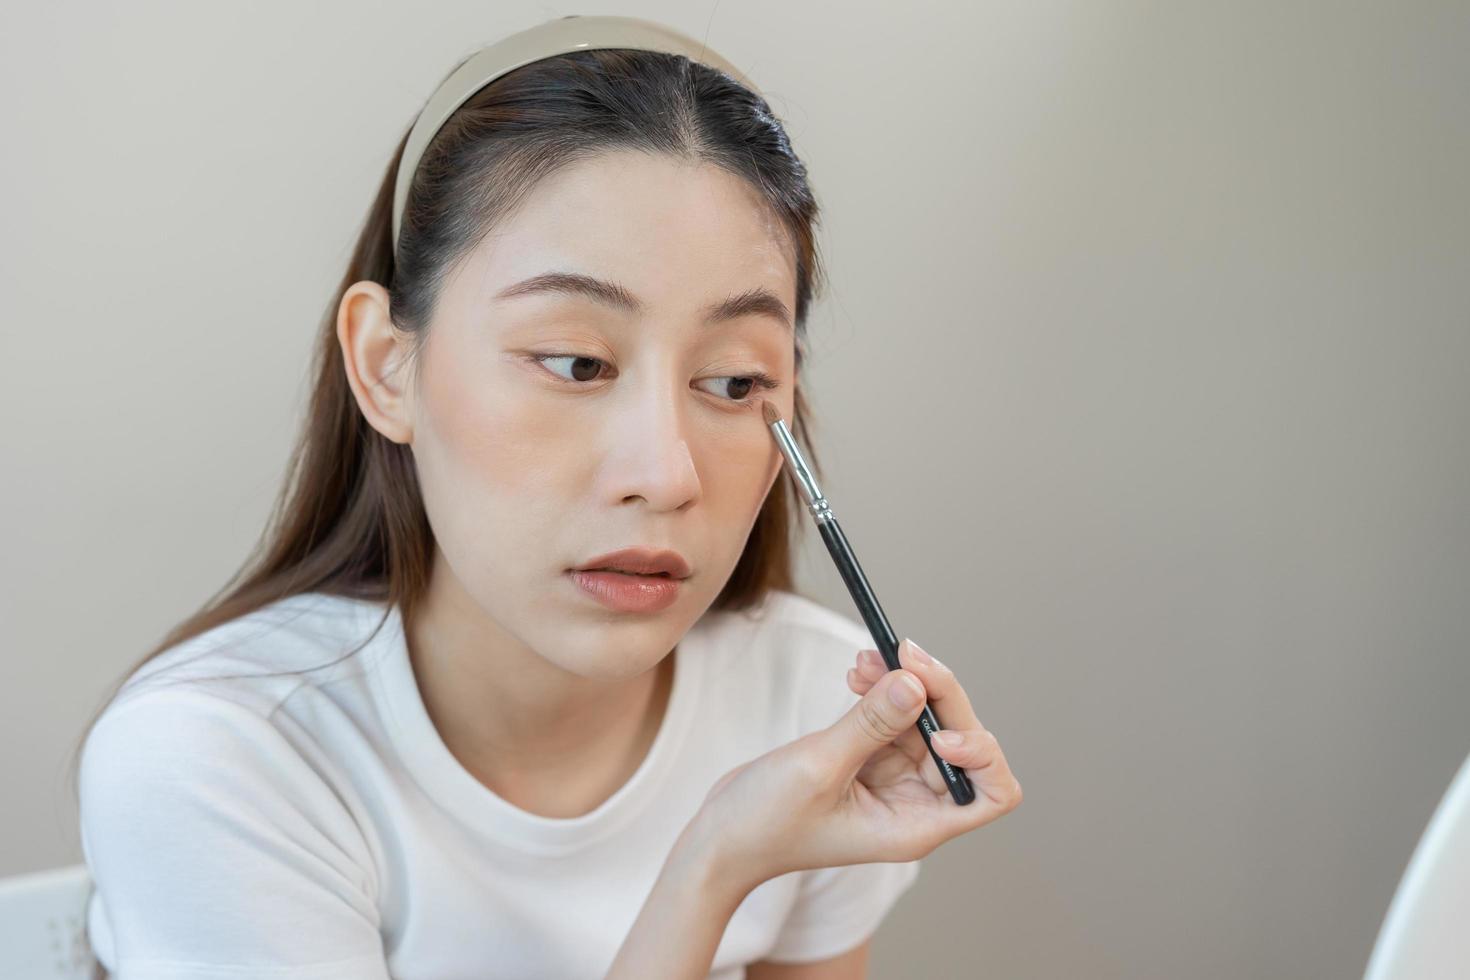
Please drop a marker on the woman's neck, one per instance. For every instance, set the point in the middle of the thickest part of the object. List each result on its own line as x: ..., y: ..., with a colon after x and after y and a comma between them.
x: 548, y: 741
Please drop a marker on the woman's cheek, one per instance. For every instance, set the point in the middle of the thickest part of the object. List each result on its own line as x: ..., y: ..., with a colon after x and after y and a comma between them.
x: 737, y: 466
x: 500, y: 433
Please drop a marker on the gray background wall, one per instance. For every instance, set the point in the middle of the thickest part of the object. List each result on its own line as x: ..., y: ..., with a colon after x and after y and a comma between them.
x: 1143, y: 385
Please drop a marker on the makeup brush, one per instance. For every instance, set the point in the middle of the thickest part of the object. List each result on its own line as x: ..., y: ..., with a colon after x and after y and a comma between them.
x: 862, y: 594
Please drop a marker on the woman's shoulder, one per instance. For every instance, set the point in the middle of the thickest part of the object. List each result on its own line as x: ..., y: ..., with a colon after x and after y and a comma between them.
x: 200, y: 720
x: 183, y: 792
x: 791, y: 624
x: 256, y: 660
x: 794, y: 651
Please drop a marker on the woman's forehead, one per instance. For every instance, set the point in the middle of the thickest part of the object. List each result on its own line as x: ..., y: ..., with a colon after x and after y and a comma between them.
x: 656, y: 225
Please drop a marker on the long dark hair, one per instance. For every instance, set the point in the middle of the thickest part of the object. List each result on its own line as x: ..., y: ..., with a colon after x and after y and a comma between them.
x: 349, y: 519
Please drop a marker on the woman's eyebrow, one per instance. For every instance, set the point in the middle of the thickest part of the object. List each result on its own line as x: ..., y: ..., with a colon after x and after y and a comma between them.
x: 758, y: 300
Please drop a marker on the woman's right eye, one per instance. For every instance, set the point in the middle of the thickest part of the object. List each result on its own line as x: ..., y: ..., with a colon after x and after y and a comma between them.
x: 579, y: 366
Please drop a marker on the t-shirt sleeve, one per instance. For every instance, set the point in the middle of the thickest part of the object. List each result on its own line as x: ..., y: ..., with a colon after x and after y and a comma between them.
x: 217, y: 851
x: 838, y: 908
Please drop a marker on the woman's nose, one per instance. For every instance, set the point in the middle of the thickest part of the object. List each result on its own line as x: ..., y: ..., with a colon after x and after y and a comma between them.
x: 649, y: 453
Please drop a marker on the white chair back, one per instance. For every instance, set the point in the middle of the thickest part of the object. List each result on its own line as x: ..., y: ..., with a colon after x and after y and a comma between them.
x: 43, y: 933
x: 1426, y: 933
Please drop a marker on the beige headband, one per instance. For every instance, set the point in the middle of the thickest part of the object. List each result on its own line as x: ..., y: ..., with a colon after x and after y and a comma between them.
x: 571, y: 33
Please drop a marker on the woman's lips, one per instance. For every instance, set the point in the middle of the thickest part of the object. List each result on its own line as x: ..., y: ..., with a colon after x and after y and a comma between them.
x: 627, y: 592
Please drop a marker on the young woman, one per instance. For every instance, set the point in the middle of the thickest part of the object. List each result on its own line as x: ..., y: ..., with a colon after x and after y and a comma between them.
x: 518, y: 684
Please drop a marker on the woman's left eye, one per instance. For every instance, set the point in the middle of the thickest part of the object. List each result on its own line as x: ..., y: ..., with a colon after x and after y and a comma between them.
x: 578, y: 365
x: 738, y: 385
x: 746, y: 383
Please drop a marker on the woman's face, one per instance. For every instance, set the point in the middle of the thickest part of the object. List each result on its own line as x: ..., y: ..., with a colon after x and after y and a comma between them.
x: 550, y: 426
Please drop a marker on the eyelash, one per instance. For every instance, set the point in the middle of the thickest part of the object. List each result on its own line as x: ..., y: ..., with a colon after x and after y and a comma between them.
x: 762, y: 381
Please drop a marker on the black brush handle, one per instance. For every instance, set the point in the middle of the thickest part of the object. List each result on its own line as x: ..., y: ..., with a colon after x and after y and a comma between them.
x: 867, y: 603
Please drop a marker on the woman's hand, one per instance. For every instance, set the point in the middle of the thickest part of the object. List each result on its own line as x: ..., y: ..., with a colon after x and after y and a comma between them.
x: 864, y: 789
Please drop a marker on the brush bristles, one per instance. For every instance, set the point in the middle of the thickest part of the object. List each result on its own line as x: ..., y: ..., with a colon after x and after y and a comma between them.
x: 770, y: 412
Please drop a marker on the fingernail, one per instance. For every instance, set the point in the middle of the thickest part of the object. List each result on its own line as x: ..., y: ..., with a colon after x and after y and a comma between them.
x: 906, y: 692
x: 921, y: 656
x: 950, y: 739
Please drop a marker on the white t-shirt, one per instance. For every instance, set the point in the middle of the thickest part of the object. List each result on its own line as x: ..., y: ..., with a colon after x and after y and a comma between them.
x: 313, y: 825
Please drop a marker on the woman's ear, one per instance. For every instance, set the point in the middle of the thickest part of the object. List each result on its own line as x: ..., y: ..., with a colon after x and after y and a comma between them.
x: 373, y: 352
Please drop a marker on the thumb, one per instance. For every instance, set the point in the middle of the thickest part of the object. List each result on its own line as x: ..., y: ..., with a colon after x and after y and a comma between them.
x: 891, y: 707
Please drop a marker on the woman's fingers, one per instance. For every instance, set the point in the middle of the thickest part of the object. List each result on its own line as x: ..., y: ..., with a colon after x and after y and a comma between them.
x: 911, y: 742
x: 950, y: 703
x: 978, y: 752
x: 888, y: 710
x: 948, y: 700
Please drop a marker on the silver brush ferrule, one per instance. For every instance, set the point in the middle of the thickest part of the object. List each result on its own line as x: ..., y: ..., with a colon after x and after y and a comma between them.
x: 815, y: 502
